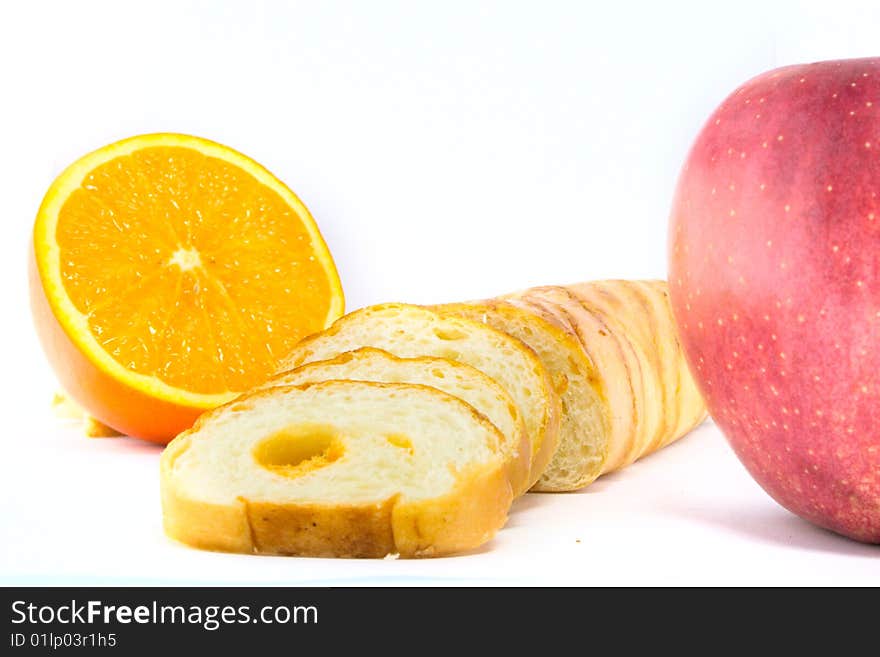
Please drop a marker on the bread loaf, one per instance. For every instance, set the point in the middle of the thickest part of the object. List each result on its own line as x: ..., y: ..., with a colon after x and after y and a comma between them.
x: 409, y: 430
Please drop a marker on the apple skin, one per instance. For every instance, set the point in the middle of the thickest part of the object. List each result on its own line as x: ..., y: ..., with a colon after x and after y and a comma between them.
x: 774, y: 277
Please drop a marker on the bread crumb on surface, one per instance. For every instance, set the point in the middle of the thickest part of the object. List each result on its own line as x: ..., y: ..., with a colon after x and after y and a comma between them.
x: 67, y: 409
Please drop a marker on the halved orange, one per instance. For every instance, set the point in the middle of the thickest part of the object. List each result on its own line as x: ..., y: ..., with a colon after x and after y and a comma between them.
x: 170, y: 273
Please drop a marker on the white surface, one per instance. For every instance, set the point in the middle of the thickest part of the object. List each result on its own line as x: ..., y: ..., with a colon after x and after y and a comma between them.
x: 688, y: 515
x: 447, y: 150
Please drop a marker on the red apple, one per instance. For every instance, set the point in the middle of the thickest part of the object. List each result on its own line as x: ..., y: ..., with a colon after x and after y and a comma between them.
x: 775, y: 283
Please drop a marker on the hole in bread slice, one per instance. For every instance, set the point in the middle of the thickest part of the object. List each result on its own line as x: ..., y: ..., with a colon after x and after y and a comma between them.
x: 299, y: 449
x: 401, y: 441
x: 448, y: 333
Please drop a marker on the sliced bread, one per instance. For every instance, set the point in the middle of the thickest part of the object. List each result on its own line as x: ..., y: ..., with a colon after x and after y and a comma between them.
x: 625, y: 318
x: 627, y: 330
x: 339, y: 468
x: 411, y: 331
x: 671, y: 404
x: 604, y: 350
x: 681, y: 386
x: 583, y: 437
x: 454, y: 378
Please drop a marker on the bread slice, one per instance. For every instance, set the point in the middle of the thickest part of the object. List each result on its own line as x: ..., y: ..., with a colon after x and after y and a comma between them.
x: 339, y: 468
x: 687, y: 397
x: 411, y: 331
x: 457, y: 379
x: 583, y: 436
x: 625, y: 319
x: 644, y: 312
x: 603, y: 348
x: 655, y: 330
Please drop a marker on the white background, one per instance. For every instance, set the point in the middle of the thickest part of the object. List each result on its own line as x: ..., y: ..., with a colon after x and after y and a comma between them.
x: 448, y: 150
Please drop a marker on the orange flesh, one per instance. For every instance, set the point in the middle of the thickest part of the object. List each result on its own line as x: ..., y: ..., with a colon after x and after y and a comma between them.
x: 189, y: 269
